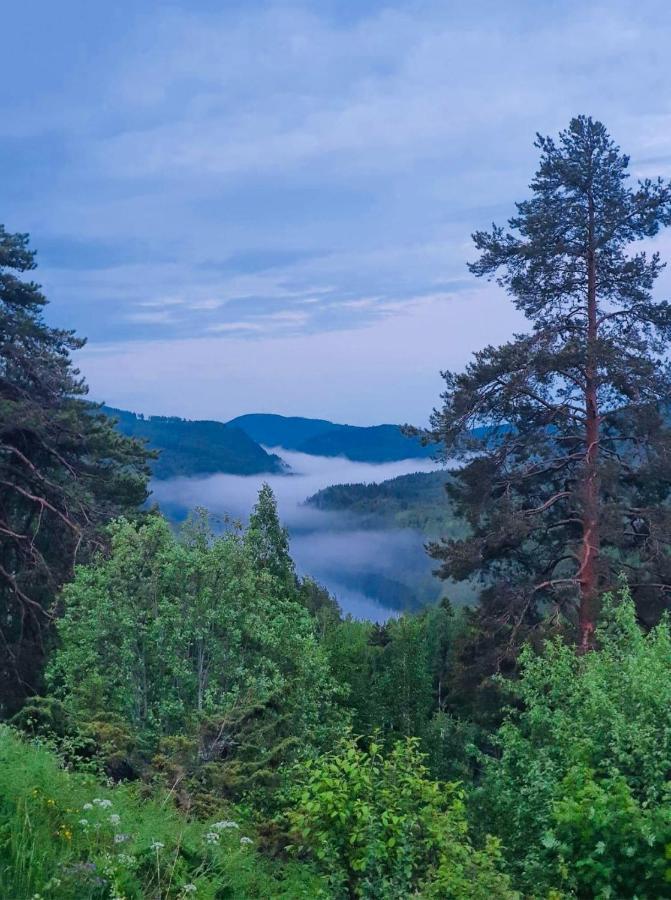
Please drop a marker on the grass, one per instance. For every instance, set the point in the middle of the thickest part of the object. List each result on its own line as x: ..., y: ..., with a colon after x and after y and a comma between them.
x: 68, y: 836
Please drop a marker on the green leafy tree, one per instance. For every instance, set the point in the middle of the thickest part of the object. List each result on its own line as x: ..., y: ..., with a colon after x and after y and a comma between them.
x: 561, y: 430
x: 320, y: 604
x: 188, y: 637
x: 64, y: 471
x: 386, y: 674
x: 402, y: 678
x: 580, y: 791
x: 379, y: 827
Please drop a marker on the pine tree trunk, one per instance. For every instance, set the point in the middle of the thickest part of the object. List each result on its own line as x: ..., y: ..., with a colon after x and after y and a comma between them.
x: 588, y: 572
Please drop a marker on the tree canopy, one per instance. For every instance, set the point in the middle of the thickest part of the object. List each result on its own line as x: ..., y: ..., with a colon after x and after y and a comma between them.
x: 64, y: 469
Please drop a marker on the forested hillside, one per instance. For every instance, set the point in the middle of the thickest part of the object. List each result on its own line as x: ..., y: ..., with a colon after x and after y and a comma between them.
x: 184, y: 715
x: 192, y: 447
x: 418, y: 501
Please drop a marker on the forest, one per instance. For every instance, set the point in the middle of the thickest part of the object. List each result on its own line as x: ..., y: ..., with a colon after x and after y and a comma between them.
x: 183, y: 715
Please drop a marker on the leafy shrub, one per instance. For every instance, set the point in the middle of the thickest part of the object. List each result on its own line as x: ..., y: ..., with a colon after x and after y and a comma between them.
x: 580, y: 793
x: 378, y: 827
x: 607, y: 842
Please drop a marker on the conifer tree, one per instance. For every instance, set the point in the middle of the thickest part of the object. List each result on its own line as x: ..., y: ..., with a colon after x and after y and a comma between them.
x: 268, y: 539
x: 64, y: 470
x: 561, y: 432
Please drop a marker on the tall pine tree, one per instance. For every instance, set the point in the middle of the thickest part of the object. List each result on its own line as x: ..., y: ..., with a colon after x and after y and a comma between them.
x: 566, y: 460
x: 64, y: 471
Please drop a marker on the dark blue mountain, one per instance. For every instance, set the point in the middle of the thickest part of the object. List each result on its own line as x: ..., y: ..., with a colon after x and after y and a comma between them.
x: 319, y: 437
x: 290, y: 432
x: 198, y: 447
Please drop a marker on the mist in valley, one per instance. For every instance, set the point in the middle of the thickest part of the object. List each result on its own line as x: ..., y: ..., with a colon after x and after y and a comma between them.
x: 372, y: 573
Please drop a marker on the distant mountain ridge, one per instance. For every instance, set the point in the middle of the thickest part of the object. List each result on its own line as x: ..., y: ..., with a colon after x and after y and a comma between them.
x: 290, y: 432
x: 320, y: 437
x: 191, y: 447
x: 197, y: 447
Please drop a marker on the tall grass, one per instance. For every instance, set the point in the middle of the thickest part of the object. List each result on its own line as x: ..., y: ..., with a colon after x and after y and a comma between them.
x: 66, y: 836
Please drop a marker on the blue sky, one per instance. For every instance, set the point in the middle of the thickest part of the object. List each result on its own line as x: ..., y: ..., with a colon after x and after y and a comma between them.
x: 267, y: 206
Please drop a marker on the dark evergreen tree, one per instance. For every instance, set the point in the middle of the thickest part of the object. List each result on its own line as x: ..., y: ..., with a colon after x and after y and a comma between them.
x: 566, y: 457
x: 64, y: 471
x: 268, y: 539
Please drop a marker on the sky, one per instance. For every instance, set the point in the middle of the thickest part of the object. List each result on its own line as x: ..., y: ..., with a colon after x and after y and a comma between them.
x: 267, y: 206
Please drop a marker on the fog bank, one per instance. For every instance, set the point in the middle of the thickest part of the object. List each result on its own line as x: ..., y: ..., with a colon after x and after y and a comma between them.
x: 327, y: 546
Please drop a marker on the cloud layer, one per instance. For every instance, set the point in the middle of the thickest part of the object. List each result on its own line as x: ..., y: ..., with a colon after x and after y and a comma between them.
x: 326, y: 546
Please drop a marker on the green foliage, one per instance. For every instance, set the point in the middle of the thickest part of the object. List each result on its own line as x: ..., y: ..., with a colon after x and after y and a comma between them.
x: 321, y: 605
x: 399, y: 681
x: 187, y: 447
x: 190, y: 636
x: 378, y: 827
x: 268, y: 540
x: 67, y: 837
x: 64, y: 471
x: 606, y: 842
x: 580, y: 793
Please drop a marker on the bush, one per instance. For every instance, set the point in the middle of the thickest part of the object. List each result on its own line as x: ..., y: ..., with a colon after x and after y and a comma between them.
x: 580, y: 792
x: 378, y: 827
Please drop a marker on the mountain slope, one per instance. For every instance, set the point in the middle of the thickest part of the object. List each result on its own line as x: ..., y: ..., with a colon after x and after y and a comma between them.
x: 289, y: 432
x: 319, y: 437
x: 197, y: 447
x: 376, y: 444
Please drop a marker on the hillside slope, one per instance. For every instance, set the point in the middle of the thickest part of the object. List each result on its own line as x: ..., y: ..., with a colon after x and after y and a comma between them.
x: 198, y: 447
x: 375, y: 444
x: 290, y: 432
x: 409, y: 503
x: 417, y: 501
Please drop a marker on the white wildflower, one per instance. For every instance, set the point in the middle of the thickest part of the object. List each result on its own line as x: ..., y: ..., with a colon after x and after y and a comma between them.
x: 115, y: 819
x: 84, y: 822
x: 246, y: 840
x: 87, y: 807
x: 212, y: 837
x: 225, y: 823
x: 156, y: 845
x: 103, y: 804
x: 189, y: 889
x: 120, y: 838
